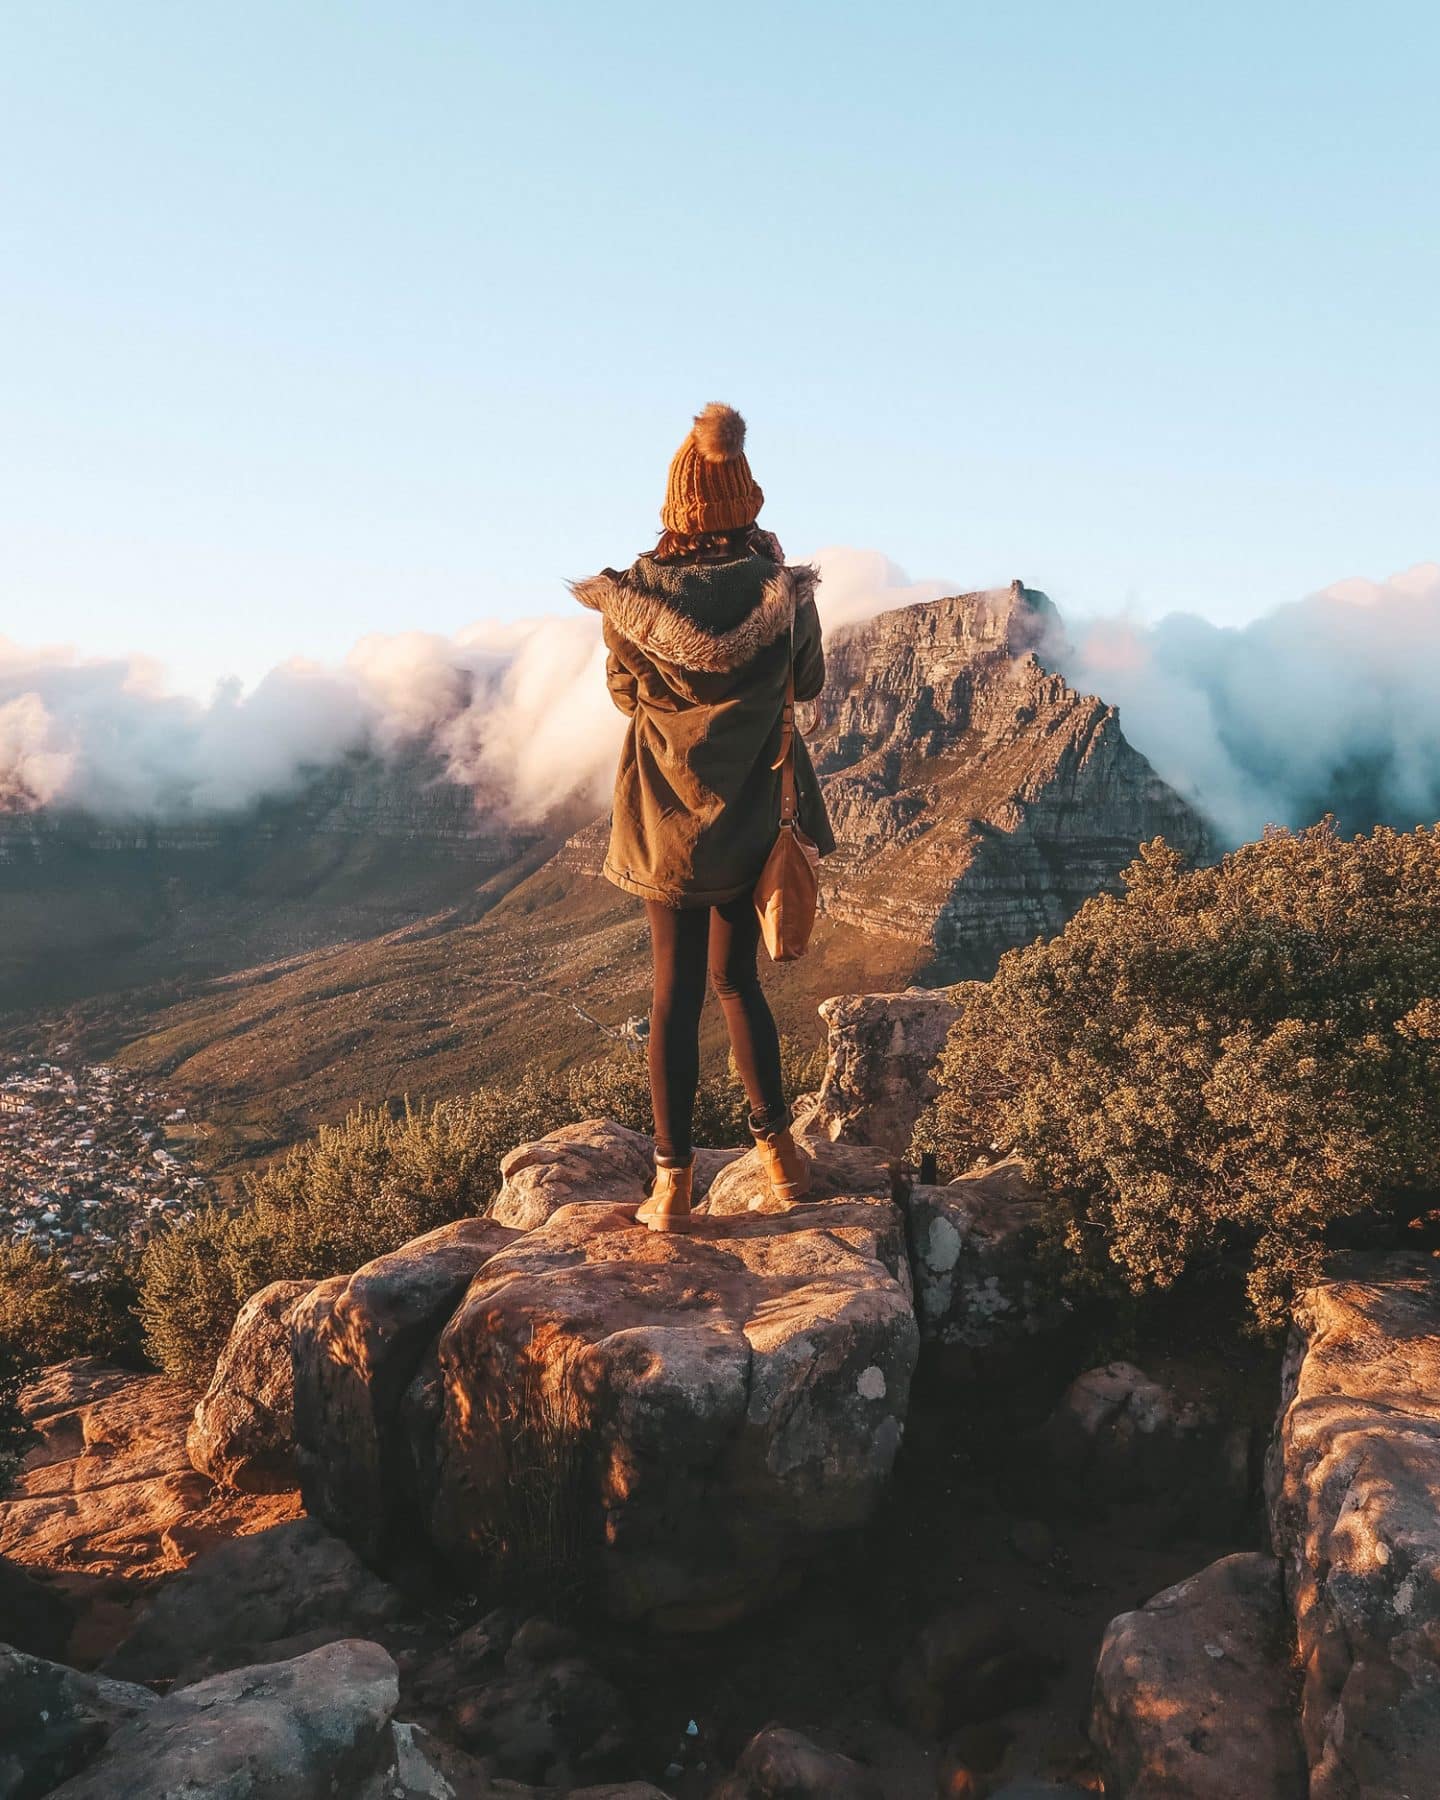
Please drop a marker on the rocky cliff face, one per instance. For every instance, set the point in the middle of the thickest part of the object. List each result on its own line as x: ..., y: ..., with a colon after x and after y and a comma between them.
x: 978, y: 800
x: 93, y: 905
x: 407, y: 798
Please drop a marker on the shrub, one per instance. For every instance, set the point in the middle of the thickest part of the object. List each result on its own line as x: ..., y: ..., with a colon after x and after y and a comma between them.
x: 14, y: 1432
x: 1227, y: 1060
x: 45, y: 1317
x: 364, y: 1187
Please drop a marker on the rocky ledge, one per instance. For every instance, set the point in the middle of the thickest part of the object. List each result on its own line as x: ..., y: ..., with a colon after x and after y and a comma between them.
x: 709, y: 1405
x: 1314, y: 1671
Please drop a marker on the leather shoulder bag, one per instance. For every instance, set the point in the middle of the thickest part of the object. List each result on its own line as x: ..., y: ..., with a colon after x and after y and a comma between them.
x: 788, y: 891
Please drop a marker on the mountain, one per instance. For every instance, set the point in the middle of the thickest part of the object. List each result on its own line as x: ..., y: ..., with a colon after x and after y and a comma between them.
x: 381, y: 935
x: 977, y: 799
x: 102, y: 905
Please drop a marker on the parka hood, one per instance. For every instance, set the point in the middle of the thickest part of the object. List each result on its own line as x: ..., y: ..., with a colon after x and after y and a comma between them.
x: 709, y: 617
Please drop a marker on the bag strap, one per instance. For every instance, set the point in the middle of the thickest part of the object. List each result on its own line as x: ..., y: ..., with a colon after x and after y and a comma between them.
x: 785, y: 758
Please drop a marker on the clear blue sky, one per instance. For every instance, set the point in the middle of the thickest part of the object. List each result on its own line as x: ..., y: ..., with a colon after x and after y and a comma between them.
x: 323, y: 318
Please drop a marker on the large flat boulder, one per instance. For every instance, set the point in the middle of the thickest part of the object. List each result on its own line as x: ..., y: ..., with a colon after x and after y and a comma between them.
x: 357, y: 1342
x: 54, y: 1719
x: 687, y: 1414
x: 878, y: 1077
x: 310, y: 1728
x: 109, y: 1490
x: 255, y: 1599
x: 1194, y: 1692
x: 1353, y: 1487
x: 243, y: 1432
x: 972, y: 1249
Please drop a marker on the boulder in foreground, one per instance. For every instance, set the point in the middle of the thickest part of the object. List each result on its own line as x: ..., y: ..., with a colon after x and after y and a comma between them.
x: 307, y: 1729
x: 1194, y: 1695
x: 779, y: 1764
x: 255, y: 1599
x: 1353, y: 1486
x: 357, y: 1341
x: 54, y: 1719
x: 690, y: 1414
x: 243, y: 1433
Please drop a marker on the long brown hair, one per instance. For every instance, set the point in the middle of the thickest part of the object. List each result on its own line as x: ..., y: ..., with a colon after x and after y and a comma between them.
x: 717, y: 546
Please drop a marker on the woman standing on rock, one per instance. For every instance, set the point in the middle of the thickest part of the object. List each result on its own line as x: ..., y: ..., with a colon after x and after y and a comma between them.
x: 701, y: 635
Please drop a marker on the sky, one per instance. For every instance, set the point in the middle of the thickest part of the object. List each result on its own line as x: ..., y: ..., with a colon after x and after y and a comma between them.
x: 319, y: 320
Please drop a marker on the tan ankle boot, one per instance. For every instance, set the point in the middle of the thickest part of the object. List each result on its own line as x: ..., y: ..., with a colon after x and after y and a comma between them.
x: 786, y: 1166
x: 668, y: 1208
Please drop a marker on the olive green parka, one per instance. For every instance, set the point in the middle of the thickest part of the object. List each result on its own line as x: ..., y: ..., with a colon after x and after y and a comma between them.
x: 697, y: 657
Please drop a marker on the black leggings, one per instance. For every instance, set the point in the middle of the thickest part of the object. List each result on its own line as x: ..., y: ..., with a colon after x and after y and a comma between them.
x: 683, y: 940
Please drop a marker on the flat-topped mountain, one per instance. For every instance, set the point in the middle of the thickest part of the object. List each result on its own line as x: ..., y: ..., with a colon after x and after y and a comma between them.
x: 976, y: 798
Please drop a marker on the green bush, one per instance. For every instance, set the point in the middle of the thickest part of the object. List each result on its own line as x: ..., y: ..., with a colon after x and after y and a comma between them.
x: 14, y: 1432
x: 1228, y: 1062
x: 45, y: 1317
x: 364, y: 1187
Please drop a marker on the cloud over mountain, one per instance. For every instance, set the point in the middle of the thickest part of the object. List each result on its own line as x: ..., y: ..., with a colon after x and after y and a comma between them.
x: 1325, y: 702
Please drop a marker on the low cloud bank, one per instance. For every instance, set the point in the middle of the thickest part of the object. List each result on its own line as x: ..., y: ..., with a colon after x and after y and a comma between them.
x: 519, y: 711
x: 1331, y: 703
x: 1327, y: 702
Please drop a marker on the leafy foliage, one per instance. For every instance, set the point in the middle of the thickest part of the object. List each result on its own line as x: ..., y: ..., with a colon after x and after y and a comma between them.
x: 45, y: 1317
x: 1236, y: 1058
x: 364, y: 1187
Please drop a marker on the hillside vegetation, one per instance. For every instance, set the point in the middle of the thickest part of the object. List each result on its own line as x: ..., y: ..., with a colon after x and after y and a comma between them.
x: 1235, y: 1064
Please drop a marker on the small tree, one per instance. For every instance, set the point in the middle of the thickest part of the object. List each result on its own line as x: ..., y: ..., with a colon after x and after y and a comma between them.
x: 1230, y: 1058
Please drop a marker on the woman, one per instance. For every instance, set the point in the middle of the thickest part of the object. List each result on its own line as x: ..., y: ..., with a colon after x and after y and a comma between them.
x: 701, y: 633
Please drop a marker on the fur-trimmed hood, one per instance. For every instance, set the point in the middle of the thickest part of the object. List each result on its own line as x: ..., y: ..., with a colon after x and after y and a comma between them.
x: 707, y: 617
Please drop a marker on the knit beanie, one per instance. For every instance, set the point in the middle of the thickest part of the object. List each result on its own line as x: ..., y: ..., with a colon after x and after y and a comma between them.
x: 710, y: 486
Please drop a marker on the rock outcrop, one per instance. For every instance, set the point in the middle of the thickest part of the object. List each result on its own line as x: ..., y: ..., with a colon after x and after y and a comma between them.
x: 878, y: 1074
x: 260, y: 1598
x: 972, y: 1249
x: 1353, y: 1485
x: 835, y: 1169
x: 305, y: 1729
x: 595, y: 1161
x: 243, y: 1432
x: 53, y: 1720
x: 690, y: 1413
x: 1194, y: 1693
x: 712, y: 1406
x: 109, y: 1489
x: 357, y: 1343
